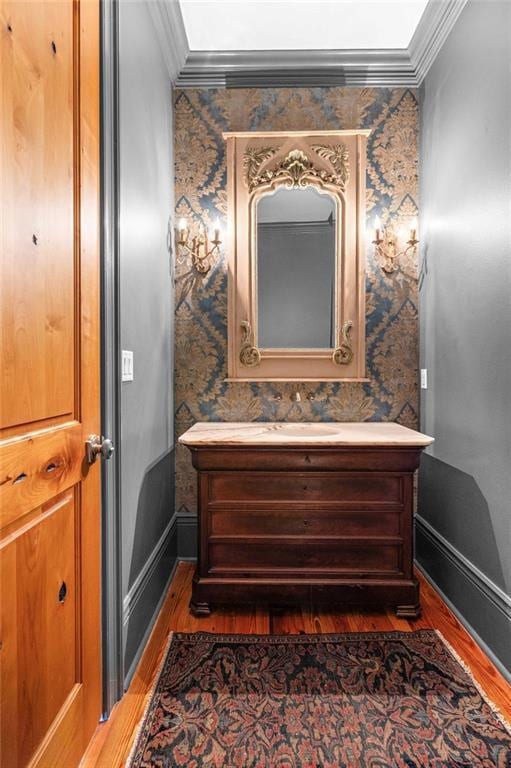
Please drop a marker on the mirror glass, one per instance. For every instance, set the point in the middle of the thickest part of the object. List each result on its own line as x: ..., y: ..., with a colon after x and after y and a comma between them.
x: 295, y: 258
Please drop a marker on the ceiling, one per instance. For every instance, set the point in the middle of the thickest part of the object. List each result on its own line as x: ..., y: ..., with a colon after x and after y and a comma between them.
x: 265, y: 25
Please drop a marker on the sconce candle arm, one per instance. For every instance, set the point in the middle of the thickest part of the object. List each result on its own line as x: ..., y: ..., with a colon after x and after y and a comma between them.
x: 386, y: 248
x: 201, y: 248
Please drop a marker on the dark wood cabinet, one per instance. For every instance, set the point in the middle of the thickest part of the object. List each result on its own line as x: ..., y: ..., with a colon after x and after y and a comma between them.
x: 285, y: 525
x: 292, y: 513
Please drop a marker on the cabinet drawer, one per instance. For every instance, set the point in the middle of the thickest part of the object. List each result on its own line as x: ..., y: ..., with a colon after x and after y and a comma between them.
x: 303, y: 487
x: 273, y: 556
x: 299, y: 521
x: 307, y: 459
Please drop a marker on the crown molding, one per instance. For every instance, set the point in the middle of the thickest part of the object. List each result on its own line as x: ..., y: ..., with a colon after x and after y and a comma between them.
x: 361, y: 68
x: 435, y: 24
x: 170, y: 31
x: 246, y: 69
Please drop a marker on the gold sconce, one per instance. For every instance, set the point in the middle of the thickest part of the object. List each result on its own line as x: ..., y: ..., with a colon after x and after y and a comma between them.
x: 386, y: 245
x: 202, y: 247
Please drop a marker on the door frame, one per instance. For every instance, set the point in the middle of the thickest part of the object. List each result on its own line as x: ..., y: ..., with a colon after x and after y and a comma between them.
x: 113, y: 660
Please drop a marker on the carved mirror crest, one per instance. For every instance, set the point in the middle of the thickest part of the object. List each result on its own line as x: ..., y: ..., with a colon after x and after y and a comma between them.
x: 296, y: 269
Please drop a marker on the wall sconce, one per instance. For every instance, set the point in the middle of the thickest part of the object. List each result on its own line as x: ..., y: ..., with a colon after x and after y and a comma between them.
x: 202, y: 247
x: 386, y: 245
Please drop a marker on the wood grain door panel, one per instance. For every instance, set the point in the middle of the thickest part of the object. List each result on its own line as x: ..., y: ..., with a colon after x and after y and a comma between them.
x: 50, y: 663
x: 37, y: 296
x: 34, y: 470
x: 39, y: 625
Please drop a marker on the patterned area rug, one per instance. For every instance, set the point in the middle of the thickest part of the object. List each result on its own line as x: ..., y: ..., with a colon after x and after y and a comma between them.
x: 375, y: 700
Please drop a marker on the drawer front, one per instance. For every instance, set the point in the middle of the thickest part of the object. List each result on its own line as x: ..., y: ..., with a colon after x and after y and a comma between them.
x: 253, y: 521
x: 278, y: 558
x: 340, y: 458
x: 304, y: 487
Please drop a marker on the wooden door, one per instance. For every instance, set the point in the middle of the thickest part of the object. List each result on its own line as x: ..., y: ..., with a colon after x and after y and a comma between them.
x: 49, y: 397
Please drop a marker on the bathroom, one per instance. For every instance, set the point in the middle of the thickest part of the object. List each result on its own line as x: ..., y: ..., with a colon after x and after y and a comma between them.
x: 272, y: 457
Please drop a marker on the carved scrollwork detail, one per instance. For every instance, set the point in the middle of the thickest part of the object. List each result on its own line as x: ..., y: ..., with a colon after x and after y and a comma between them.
x: 343, y: 355
x: 296, y: 169
x: 250, y: 356
x: 253, y: 158
x: 337, y: 156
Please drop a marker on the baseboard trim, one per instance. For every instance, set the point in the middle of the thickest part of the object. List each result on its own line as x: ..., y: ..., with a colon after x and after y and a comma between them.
x: 506, y: 674
x: 186, y: 537
x: 137, y: 588
x: 477, y: 578
x: 134, y: 664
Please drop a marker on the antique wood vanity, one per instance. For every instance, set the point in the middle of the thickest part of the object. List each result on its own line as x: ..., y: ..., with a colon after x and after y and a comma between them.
x: 292, y: 512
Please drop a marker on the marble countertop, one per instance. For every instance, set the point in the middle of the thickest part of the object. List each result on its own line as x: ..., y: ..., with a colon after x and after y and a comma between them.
x: 303, y: 433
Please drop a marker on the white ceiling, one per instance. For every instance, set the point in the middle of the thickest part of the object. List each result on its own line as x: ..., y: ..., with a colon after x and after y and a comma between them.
x: 250, y: 25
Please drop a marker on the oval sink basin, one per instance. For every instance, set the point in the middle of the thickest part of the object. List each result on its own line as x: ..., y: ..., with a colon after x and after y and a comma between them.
x: 307, y: 430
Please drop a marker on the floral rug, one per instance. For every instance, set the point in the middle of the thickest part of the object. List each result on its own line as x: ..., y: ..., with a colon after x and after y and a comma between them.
x: 375, y: 700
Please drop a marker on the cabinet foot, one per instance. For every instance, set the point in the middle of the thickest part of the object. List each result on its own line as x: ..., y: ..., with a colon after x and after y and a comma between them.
x: 408, y: 611
x: 200, y: 609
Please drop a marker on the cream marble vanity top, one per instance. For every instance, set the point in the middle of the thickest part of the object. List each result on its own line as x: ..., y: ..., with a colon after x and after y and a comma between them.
x: 303, y: 433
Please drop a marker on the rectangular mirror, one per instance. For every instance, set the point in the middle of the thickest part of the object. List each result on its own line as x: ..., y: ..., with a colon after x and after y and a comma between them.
x: 296, y: 271
x: 296, y: 207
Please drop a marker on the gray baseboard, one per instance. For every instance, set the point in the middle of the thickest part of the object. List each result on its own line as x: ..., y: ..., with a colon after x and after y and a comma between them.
x: 143, y: 602
x: 481, y: 606
x: 187, y: 537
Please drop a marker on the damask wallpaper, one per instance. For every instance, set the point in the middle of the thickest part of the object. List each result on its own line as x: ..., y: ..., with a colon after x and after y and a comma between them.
x: 201, y: 394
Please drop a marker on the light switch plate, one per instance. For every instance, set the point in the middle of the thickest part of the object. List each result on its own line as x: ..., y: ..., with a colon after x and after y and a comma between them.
x: 127, y: 365
x: 424, y: 378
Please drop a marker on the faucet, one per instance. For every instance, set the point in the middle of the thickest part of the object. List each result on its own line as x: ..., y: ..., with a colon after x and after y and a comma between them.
x: 295, y: 397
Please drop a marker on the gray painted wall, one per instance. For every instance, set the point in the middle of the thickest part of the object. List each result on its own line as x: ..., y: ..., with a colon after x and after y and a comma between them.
x: 149, y: 533
x: 465, y: 485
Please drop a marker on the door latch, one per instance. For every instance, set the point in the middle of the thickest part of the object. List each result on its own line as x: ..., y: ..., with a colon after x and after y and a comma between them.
x: 98, y: 446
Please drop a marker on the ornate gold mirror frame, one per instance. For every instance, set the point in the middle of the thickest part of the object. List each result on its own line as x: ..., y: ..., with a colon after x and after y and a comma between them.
x: 258, y: 164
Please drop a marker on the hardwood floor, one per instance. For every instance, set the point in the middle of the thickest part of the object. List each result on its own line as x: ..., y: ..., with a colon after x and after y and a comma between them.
x: 112, y: 741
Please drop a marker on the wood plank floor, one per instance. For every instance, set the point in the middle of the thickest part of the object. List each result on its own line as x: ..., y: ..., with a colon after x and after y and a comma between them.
x: 112, y: 741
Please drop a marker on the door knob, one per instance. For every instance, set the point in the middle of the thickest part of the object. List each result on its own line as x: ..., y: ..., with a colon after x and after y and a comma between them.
x: 98, y: 446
